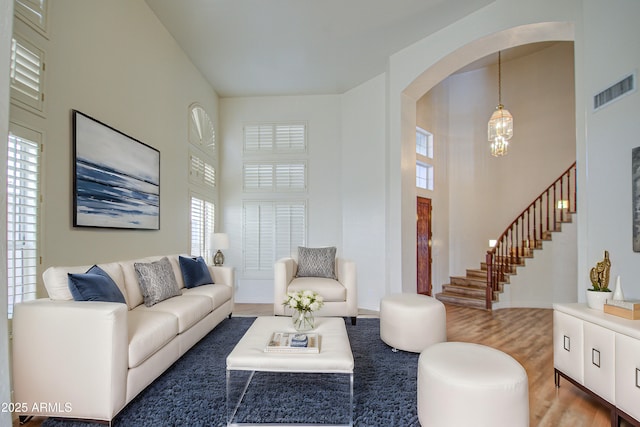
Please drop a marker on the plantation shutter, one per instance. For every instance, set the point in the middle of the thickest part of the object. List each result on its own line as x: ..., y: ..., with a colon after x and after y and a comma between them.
x: 34, y: 12
x: 272, y: 230
x: 202, y: 223
x: 290, y: 137
x: 291, y: 176
x: 26, y: 72
x: 202, y: 172
x: 258, y: 236
x: 275, y: 176
x: 258, y: 176
x: 258, y: 137
x: 278, y: 137
x: 290, y: 228
x: 22, y: 215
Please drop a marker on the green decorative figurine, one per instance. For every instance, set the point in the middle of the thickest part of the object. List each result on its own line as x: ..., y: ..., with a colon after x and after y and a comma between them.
x: 599, y: 274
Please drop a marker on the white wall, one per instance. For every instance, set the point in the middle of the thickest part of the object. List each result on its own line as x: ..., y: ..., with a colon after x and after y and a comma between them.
x: 549, y: 277
x: 609, y: 53
x: 6, y: 14
x: 324, y: 194
x: 362, y: 187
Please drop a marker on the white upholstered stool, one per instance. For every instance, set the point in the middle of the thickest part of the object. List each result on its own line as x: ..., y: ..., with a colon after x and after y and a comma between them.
x: 464, y: 384
x: 412, y: 322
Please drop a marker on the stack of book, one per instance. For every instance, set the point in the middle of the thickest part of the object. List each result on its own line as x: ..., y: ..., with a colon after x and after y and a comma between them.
x: 629, y: 309
x: 291, y: 342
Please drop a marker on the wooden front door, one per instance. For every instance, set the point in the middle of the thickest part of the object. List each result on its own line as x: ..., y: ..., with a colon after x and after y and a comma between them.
x: 424, y: 245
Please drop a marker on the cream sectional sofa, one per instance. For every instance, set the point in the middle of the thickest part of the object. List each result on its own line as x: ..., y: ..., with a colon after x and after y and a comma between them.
x: 88, y: 359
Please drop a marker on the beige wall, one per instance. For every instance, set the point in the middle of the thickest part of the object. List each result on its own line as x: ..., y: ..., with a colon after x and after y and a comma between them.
x: 114, y: 61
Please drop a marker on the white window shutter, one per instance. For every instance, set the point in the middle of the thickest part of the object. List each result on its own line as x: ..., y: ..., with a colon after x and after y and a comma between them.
x: 258, y: 176
x: 26, y: 73
x: 275, y: 137
x: 258, y: 137
x: 22, y: 215
x: 271, y: 230
x: 201, y: 172
x: 291, y: 176
x: 290, y: 137
x: 290, y: 228
x: 202, y: 225
x: 33, y: 12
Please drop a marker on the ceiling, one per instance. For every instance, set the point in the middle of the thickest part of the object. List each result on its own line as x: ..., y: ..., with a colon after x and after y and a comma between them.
x: 295, y: 47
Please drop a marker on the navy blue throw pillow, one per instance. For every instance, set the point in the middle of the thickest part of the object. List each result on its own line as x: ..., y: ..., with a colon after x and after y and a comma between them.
x: 94, y: 285
x: 194, y: 272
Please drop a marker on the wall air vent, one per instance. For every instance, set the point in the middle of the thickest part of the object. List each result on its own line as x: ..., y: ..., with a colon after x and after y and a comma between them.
x: 615, y: 91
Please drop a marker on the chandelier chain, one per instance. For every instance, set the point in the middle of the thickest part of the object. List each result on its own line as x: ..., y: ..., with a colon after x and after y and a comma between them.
x: 499, y: 79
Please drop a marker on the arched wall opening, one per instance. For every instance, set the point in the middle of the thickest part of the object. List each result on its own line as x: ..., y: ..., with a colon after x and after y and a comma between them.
x: 425, y: 81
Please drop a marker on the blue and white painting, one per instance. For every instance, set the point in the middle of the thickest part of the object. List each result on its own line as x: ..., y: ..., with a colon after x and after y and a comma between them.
x: 117, y: 178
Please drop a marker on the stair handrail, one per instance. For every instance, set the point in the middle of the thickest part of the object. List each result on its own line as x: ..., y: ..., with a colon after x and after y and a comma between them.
x: 501, y: 257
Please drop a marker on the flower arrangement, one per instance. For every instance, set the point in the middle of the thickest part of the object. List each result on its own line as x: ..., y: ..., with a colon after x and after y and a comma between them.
x: 304, y: 301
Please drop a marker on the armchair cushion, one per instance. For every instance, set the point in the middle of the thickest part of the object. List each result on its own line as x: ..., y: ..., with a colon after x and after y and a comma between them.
x: 329, y: 289
x: 317, y: 262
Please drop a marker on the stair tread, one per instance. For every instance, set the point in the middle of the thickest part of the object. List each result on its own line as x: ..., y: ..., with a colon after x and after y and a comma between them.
x: 462, y: 286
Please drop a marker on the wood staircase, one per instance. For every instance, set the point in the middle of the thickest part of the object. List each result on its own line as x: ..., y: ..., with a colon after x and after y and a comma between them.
x: 479, y: 288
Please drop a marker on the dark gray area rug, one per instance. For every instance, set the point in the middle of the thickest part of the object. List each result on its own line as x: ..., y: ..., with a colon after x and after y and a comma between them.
x: 193, y: 390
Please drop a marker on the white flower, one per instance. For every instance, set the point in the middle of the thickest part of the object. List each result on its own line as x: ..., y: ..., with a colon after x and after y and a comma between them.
x: 303, y: 300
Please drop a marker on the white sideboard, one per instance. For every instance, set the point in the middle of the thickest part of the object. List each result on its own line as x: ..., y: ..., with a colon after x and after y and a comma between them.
x: 599, y: 353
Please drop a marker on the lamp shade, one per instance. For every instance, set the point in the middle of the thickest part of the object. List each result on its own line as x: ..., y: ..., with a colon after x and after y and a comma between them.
x: 219, y: 241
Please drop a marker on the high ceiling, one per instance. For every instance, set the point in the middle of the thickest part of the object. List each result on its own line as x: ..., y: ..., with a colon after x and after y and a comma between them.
x: 294, y: 47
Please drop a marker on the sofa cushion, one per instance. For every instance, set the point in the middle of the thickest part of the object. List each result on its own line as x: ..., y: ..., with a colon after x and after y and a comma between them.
x: 194, y: 272
x: 331, y: 290
x: 94, y: 285
x: 219, y: 294
x: 149, y: 331
x: 317, y: 262
x: 157, y: 281
x: 189, y: 310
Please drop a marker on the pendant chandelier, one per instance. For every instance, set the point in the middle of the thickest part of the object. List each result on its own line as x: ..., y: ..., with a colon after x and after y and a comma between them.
x: 500, y: 128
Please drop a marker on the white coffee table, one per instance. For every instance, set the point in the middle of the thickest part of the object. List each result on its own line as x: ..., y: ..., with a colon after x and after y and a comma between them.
x: 248, y: 355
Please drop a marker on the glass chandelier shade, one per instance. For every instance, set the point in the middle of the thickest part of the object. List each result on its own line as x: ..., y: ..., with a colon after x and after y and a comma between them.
x: 500, y: 127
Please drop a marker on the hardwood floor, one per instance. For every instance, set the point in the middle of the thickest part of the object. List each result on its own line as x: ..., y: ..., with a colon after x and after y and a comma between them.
x: 527, y: 335
x: 524, y: 333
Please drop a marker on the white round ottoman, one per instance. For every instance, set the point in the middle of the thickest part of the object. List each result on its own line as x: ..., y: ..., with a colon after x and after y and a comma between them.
x: 412, y: 322
x: 464, y: 384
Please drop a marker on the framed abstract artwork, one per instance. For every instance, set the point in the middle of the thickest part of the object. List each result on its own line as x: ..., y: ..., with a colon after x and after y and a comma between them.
x: 116, y: 178
x: 635, y: 194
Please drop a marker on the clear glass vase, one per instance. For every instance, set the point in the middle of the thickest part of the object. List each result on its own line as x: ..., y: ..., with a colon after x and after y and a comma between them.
x: 303, y: 320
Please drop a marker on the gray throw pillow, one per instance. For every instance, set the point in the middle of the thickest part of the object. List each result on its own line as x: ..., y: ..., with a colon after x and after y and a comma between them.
x: 157, y: 281
x: 317, y: 262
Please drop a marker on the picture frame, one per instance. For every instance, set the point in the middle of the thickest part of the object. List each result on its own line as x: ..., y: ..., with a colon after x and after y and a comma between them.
x: 635, y: 194
x: 116, y: 178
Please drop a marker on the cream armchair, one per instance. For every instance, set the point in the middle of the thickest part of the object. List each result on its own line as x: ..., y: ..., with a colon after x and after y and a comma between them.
x: 340, y: 294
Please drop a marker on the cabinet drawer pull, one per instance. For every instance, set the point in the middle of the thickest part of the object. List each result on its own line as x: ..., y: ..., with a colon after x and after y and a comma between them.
x: 595, y: 357
x: 637, y: 377
x: 567, y: 343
